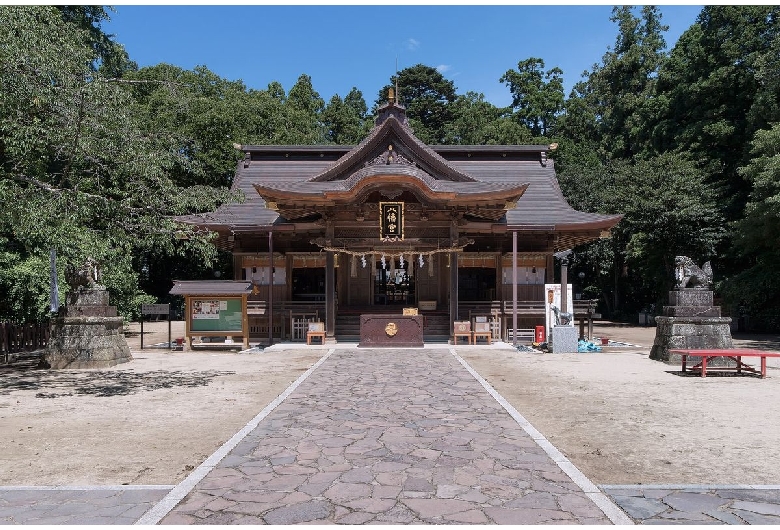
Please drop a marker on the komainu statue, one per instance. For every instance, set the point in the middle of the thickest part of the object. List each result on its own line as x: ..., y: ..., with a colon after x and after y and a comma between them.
x: 689, y: 275
x: 87, y: 275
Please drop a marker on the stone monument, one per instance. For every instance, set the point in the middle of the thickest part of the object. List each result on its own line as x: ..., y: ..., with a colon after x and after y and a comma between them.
x: 86, y: 333
x: 564, y: 334
x: 690, y: 321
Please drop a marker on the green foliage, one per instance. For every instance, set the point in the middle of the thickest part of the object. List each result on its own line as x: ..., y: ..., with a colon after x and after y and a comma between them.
x: 78, y: 172
x: 200, y: 113
x: 609, y: 108
x: 110, y: 56
x: 537, y: 96
x: 668, y: 209
x: 427, y: 96
x: 718, y: 88
x: 477, y: 122
x: 303, y: 108
x: 346, y: 120
x: 757, y: 286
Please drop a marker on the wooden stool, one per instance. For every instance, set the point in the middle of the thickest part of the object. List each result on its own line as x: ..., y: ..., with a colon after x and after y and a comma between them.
x: 312, y: 334
x: 482, y: 329
x: 486, y: 334
x: 316, y: 329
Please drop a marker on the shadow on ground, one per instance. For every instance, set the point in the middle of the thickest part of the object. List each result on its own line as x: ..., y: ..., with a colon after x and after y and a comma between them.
x: 59, y: 383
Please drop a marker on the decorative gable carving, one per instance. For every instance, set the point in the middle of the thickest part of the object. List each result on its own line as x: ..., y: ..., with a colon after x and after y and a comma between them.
x: 392, y: 143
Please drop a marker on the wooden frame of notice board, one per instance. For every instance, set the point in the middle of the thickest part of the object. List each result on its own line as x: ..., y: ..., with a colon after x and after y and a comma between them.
x: 217, y: 316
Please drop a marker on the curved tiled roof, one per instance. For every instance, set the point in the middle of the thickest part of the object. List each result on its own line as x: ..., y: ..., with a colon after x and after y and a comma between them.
x: 323, y: 171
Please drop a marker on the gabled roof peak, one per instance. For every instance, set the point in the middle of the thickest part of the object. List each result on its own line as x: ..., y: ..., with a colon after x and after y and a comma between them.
x: 391, y: 108
x: 392, y: 134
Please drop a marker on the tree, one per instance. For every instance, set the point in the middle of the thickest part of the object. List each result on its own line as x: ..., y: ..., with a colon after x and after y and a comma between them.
x: 203, y: 113
x: 612, y: 105
x: 110, y: 57
x: 757, y: 286
x: 346, y: 119
x: 303, y: 110
x: 537, y: 96
x: 669, y: 209
x: 77, y: 171
x: 427, y: 96
x: 715, y: 93
x: 478, y: 122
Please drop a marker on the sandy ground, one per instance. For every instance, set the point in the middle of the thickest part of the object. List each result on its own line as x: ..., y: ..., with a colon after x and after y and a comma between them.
x: 618, y: 416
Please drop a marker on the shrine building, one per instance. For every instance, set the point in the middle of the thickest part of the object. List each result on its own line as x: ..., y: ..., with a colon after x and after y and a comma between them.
x: 329, y: 233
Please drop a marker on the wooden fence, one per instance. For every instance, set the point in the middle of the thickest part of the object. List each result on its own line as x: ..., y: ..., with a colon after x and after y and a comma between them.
x: 15, y: 338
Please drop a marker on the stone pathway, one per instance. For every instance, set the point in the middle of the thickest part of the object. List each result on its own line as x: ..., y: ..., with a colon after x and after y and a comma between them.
x: 698, y: 504
x: 388, y: 436
x: 74, y: 505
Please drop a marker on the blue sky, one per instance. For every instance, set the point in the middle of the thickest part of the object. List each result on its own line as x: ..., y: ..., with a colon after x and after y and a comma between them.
x: 345, y: 46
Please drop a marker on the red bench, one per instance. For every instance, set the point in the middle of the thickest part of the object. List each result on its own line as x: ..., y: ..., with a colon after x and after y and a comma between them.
x: 735, y: 354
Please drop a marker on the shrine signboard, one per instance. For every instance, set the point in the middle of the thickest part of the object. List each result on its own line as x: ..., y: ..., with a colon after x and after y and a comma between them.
x: 391, y: 221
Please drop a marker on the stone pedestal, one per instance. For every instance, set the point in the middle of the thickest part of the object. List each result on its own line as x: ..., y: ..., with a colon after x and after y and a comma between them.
x: 690, y: 321
x: 88, y: 334
x: 564, y: 339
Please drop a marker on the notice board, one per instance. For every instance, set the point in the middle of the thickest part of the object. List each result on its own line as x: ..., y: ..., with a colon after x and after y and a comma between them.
x: 216, y: 314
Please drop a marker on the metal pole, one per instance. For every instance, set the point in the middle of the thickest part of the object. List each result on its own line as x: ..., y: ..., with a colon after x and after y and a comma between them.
x: 169, y: 328
x: 271, y: 287
x: 514, y: 288
x: 142, y: 330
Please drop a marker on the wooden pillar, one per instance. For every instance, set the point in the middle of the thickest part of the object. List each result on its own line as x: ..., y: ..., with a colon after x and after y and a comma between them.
x: 514, y: 288
x: 330, y: 291
x: 453, y: 258
x: 244, y: 321
x: 564, y: 284
x: 549, y: 272
x: 330, y: 285
x: 270, y: 287
x: 453, y: 288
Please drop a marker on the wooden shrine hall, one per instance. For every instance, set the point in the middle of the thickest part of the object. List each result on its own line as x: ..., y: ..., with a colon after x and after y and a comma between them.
x: 329, y: 233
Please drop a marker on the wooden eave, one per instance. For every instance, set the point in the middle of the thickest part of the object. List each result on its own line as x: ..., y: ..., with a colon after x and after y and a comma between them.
x: 362, y: 187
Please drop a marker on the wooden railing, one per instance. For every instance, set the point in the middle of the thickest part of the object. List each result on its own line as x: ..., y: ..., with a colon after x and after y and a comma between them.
x: 289, y: 318
x: 15, y: 338
x: 527, y: 312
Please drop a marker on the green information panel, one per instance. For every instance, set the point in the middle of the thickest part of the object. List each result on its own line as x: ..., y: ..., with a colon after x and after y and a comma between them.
x: 216, y: 314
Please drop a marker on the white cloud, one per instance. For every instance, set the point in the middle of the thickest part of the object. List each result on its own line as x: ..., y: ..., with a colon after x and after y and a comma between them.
x: 412, y: 44
x: 443, y: 68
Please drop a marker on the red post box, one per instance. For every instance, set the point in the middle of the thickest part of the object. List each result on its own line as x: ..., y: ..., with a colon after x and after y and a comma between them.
x: 539, y: 335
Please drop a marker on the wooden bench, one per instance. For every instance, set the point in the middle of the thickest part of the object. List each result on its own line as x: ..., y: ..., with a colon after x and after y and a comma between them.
x: 734, y: 354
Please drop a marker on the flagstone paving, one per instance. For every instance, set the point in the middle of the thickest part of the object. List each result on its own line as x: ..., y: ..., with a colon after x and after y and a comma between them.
x: 74, y: 505
x: 388, y: 436
x: 698, y: 504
